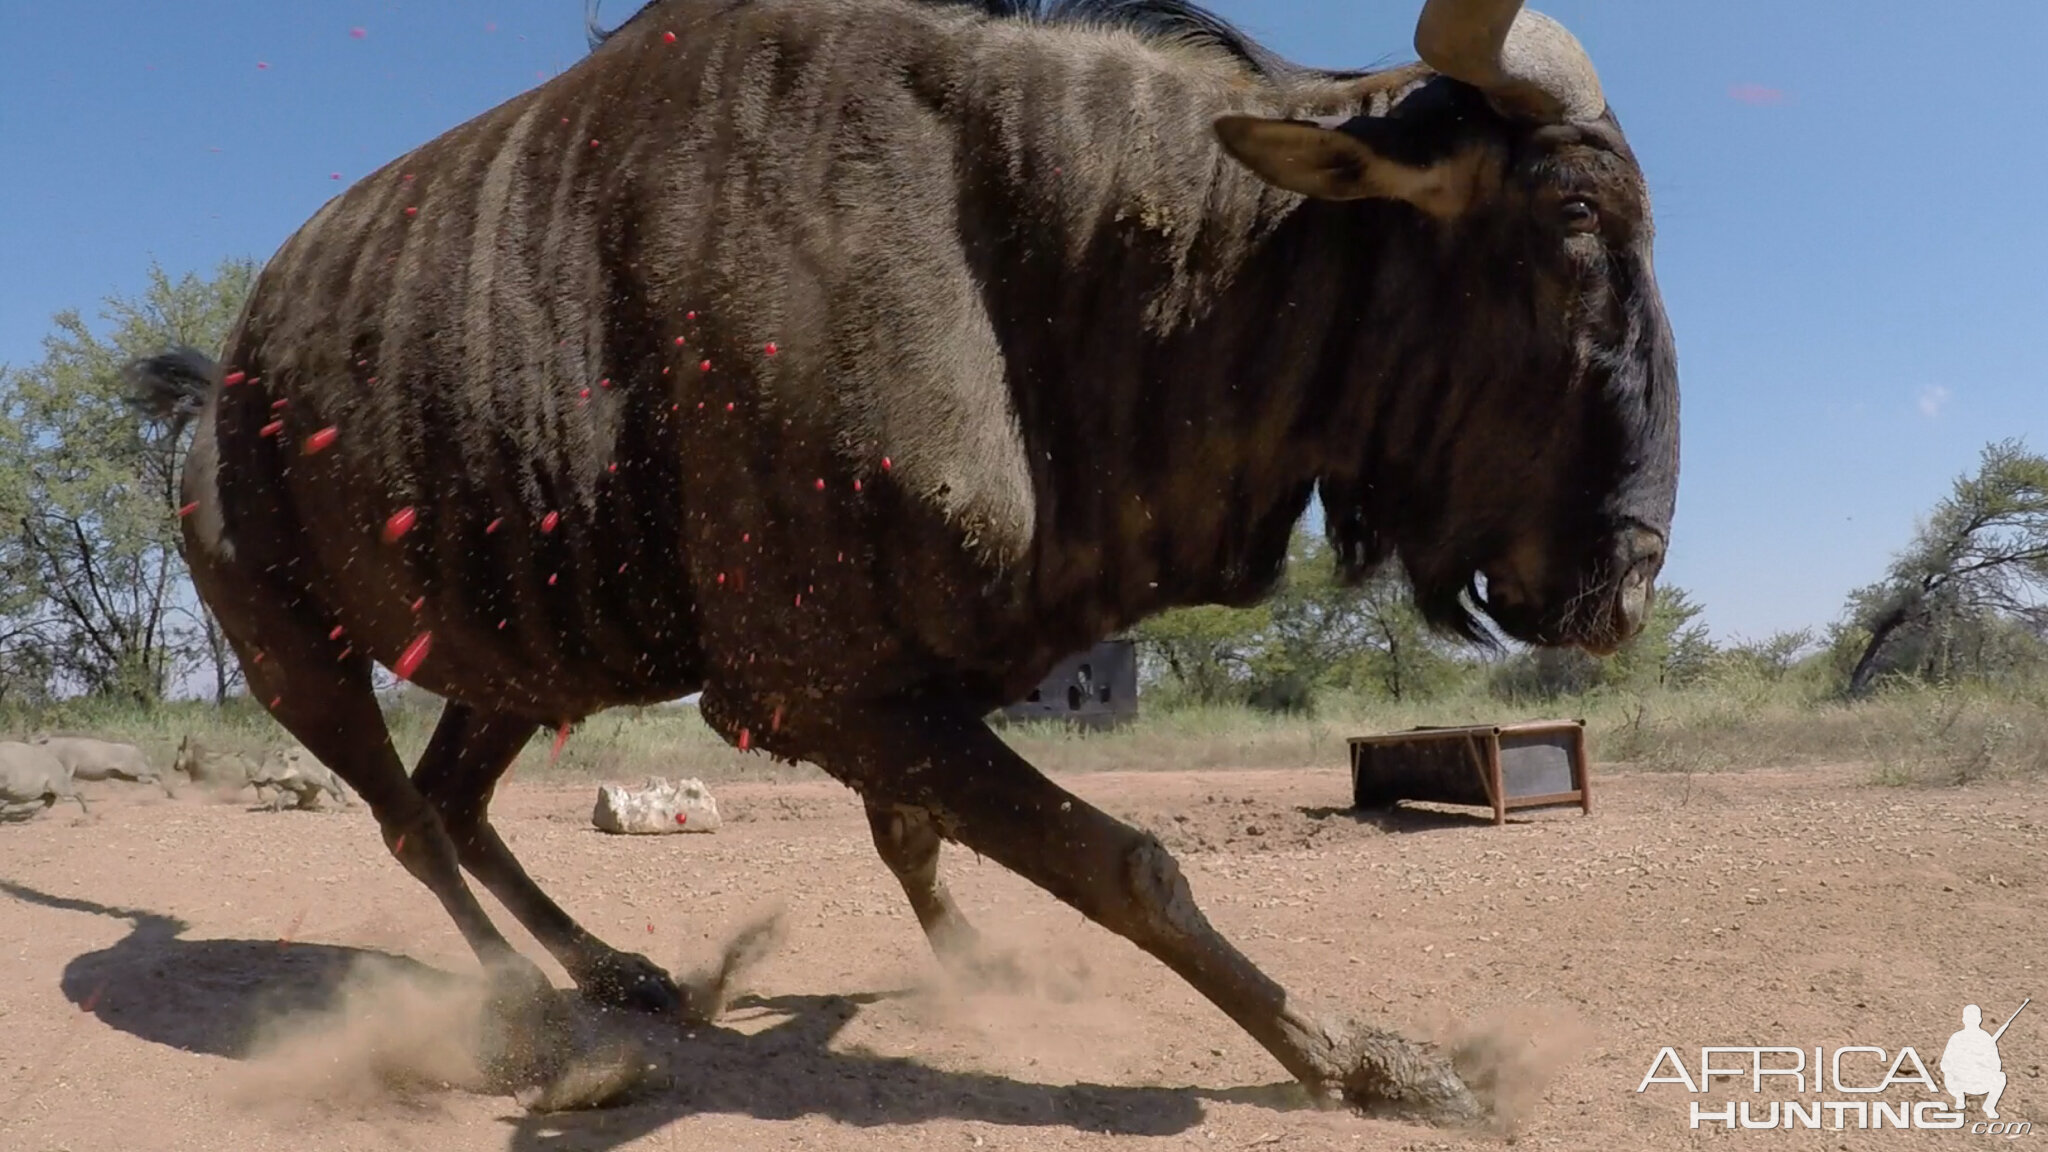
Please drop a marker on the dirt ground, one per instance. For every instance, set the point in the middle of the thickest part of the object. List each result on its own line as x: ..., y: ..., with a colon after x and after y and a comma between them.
x: 186, y: 974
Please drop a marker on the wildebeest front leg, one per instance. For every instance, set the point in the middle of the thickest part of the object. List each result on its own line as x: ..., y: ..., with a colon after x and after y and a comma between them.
x: 981, y: 794
x: 909, y: 844
x: 468, y: 752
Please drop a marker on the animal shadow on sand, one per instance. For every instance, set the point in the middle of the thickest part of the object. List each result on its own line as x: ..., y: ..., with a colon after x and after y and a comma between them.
x: 216, y: 997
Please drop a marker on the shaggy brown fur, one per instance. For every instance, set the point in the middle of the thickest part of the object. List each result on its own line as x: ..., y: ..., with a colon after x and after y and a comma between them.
x: 855, y: 360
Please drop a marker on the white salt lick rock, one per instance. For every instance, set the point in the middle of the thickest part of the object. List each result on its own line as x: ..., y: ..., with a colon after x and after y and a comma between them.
x: 656, y: 806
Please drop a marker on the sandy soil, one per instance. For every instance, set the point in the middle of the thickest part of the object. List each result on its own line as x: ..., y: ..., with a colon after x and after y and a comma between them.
x: 200, y: 975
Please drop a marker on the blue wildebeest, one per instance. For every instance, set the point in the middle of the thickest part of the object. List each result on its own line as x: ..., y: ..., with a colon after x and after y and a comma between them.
x: 853, y: 361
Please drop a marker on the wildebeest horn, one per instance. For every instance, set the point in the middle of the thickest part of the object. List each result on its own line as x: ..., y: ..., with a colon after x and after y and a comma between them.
x: 1527, y: 64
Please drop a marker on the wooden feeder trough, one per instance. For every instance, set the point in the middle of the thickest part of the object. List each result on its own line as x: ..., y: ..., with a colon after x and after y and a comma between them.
x: 1505, y: 767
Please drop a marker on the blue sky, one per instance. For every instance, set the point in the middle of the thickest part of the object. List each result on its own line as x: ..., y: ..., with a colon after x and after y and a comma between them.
x: 1849, y: 198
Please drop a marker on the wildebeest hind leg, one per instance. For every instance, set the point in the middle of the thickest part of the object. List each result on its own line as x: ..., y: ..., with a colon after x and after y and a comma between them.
x: 909, y: 845
x: 462, y: 763
x: 330, y: 707
x: 981, y: 794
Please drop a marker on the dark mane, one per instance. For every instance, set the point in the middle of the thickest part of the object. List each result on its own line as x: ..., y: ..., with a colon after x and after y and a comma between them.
x: 1176, y: 21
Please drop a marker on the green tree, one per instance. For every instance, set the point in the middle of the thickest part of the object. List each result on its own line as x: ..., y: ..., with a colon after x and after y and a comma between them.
x: 92, y: 512
x: 1981, y: 557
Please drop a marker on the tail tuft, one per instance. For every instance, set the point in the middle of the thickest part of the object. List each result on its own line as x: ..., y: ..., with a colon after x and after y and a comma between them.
x: 172, y: 385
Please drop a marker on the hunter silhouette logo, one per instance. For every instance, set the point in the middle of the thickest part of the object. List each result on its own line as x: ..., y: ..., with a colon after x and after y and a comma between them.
x: 1970, y: 1064
x: 1863, y: 1086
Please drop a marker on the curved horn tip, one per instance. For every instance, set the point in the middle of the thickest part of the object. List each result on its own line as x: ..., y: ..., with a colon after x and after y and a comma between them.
x: 1528, y: 64
x: 1541, y: 55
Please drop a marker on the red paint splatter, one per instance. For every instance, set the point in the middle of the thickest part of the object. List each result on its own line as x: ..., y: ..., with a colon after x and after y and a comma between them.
x: 775, y: 719
x: 322, y: 440
x: 689, y: 315
x: 258, y: 657
x: 721, y: 577
x: 799, y: 599
x: 501, y: 625
x: 334, y: 175
x: 746, y: 537
x: 605, y: 383
x: 278, y: 405
x: 886, y: 465
x: 769, y: 348
x: 622, y: 567
x: 593, y: 143
x: 680, y: 341
x: 233, y: 378
x: 407, y: 177
x: 746, y: 739
x: 583, y: 393
x: 552, y: 577
x: 561, y: 738
x: 359, y: 32
x: 275, y: 701
x: 411, y: 210
x: 612, y: 467
x: 272, y: 428
x: 728, y: 405
x: 856, y: 485
x: 493, y: 525
x: 398, y: 845
x: 335, y: 633
x: 263, y: 65
x: 418, y: 605
x: 821, y: 484
x: 345, y: 653
x: 666, y: 38
x: 414, y: 655
x: 548, y: 522
x: 188, y: 509
x: 681, y: 819
x: 704, y: 366
x: 400, y: 523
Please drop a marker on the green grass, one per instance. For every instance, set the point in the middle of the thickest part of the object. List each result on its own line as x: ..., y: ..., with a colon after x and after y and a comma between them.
x: 1918, y: 736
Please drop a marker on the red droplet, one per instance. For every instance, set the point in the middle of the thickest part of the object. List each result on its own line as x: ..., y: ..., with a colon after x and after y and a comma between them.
x: 418, y: 605
x: 258, y: 657
x: 746, y: 537
x: 358, y: 32
x: 680, y: 341
x: 886, y: 465
x: 769, y: 348
x: 728, y: 405
x: 493, y: 525
x: 583, y: 393
x: 334, y: 175
x: 612, y: 467
x: 411, y: 210
x: 775, y: 720
x: 622, y: 567
x: 605, y: 383
x: 799, y: 599
x: 415, y: 652
x: 746, y: 739
x: 689, y: 315
x: 322, y: 440
x: 551, y: 578
x: 344, y: 653
x: 188, y: 509
x: 593, y: 143
x: 335, y: 633
x: 704, y: 367
x: 407, y: 177
x: 400, y: 523
x: 856, y: 485
x: 721, y: 577
x: 275, y: 701
x: 273, y: 428
x: 821, y: 484
x: 262, y: 65
x: 278, y: 405
x: 548, y: 522
x: 561, y: 738
x: 666, y: 38
x: 233, y: 378
x: 398, y: 845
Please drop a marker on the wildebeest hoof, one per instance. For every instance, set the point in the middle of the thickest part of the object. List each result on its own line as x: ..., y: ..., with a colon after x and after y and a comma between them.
x: 631, y: 981
x: 1383, y: 1074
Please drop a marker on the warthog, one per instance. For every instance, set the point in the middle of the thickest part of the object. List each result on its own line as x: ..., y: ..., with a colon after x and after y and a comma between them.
x: 33, y: 775
x: 854, y: 362
x: 97, y: 760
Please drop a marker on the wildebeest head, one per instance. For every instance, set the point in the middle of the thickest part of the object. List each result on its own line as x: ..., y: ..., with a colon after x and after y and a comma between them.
x: 1527, y: 433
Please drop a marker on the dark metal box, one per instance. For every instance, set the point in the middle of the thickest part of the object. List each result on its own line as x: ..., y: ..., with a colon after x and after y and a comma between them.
x: 1505, y: 767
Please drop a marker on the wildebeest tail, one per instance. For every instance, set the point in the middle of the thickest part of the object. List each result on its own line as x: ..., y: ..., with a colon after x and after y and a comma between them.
x: 171, y: 385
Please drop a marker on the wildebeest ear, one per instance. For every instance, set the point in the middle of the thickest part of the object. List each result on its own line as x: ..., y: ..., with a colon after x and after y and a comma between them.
x: 1326, y: 164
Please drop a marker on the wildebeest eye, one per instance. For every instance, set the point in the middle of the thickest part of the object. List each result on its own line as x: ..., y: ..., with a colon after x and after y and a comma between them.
x: 1580, y: 215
